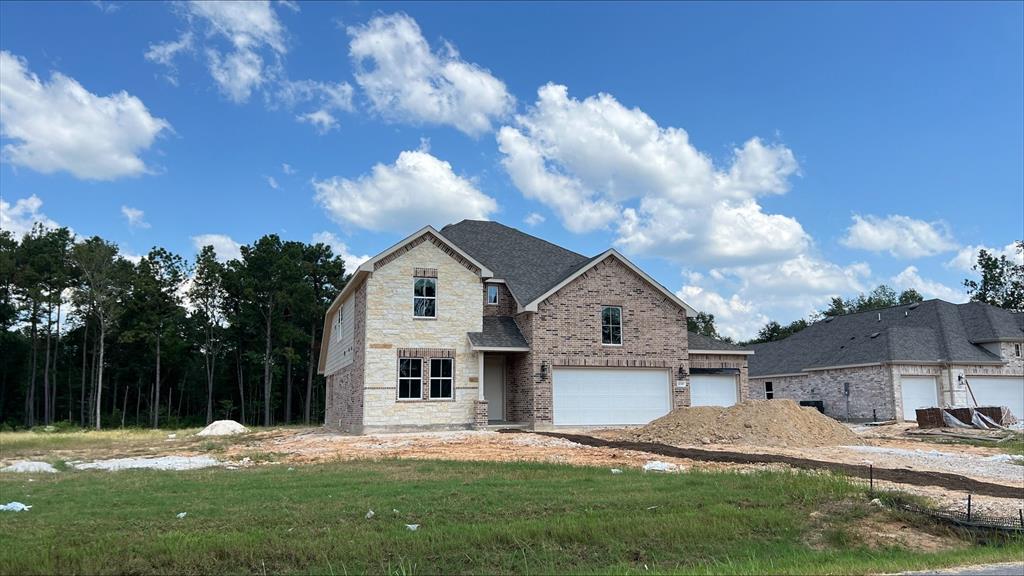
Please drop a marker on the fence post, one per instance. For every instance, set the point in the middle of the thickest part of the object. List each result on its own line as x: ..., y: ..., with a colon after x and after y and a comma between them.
x: 1020, y: 513
x: 871, y: 479
x: 968, y: 507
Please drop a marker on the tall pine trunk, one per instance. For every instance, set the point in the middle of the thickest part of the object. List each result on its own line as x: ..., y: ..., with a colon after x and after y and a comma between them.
x: 241, y: 384
x: 99, y: 375
x: 288, y: 402
x: 30, y: 398
x: 85, y: 348
x: 266, y: 374
x: 310, y: 372
x: 156, y: 410
x: 46, y: 365
x: 211, y: 364
x: 56, y: 350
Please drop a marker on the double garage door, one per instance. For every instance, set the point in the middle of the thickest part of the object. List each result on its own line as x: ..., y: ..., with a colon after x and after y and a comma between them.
x: 614, y: 396
x: 923, y: 392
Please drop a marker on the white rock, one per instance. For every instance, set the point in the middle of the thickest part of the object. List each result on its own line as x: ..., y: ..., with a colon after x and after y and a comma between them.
x: 370, y: 514
x: 616, y: 471
x: 181, y: 514
x: 162, y: 463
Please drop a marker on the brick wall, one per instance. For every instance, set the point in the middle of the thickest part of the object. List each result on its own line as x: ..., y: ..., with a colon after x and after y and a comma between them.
x: 506, y: 305
x: 344, y: 398
x: 566, y: 331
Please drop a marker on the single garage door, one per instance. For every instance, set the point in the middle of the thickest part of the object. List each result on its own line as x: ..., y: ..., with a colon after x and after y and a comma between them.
x: 609, y: 396
x: 999, y: 391
x: 918, y: 392
x: 712, y: 389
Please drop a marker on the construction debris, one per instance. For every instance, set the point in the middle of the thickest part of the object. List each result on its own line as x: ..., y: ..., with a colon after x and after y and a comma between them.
x: 659, y: 466
x: 223, y: 428
x: 982, y: 417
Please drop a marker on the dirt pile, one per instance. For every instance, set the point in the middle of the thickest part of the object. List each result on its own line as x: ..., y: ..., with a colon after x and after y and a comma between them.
x: 778, y: 423
x: 223, y: 428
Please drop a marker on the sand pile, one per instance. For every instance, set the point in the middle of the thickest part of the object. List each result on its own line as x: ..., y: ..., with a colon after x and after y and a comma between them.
x: 223, y: 428
x: 778, y: 423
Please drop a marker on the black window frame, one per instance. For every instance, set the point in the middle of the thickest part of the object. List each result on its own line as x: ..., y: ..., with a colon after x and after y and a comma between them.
x: 769, y: 390
x: 409, y: 379
x: 417, y: 297
x: 608, y: 328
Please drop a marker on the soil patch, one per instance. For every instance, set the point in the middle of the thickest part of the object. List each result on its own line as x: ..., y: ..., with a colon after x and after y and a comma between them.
x: 779, y: 423
x: 902, y: 476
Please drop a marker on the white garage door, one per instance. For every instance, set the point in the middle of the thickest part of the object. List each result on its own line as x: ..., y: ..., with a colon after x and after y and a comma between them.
x: 712, y: 389
x: 609, y: 396
x: 999, y: 391
x: 918, y: 392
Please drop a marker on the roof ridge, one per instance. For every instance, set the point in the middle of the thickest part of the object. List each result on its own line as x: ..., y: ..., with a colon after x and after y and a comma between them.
x: 883, y: 308
x: 518, y: 231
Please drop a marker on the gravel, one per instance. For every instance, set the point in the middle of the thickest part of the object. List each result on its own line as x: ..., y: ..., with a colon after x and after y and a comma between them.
x: 995, y: 467
x: 162, y: 463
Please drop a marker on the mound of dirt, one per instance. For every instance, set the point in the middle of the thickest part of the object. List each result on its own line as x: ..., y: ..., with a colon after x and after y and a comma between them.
x: 223, y: 428
x: 778, y: 423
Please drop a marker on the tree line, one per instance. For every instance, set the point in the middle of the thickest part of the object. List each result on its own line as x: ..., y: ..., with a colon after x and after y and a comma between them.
x: 95, y: 340
x: 1000, y: 283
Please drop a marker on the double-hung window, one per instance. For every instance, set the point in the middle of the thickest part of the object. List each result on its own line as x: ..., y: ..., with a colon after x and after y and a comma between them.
x: 441, y: 377
x: 410, y: 378
x: 492, y: 294
x: 611, y: 325
x: 424, y: 298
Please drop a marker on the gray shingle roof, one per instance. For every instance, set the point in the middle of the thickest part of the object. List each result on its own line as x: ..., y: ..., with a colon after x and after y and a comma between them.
x: 528, y: 265
x: 701, y: 342
x: 932, y: 331
x: 499, y: 332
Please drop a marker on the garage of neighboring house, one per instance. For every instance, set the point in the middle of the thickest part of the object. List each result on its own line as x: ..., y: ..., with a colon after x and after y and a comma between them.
x: 999, y: 391
x: 714, y: 387
x: 609, y: 396
x: 918, y: 392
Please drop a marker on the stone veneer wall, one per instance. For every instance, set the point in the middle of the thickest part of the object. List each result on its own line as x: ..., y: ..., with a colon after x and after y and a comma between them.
x: 390, y: 326
x: 724, y: 360
x: 344, y: 397
x: 506, y: 305
x: 566, y: 331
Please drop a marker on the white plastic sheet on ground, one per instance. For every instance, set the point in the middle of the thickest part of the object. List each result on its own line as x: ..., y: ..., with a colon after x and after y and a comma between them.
x: 14, y: 507
x: 659, y: 466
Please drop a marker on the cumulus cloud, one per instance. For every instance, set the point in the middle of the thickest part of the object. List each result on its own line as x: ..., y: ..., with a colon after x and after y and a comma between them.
x: 225, y: 246
x: 734, y: 317
x: 18, y: 219
x: 967, y: 256
x: 900, y: 236
x: 533, y: 219
x: 136, y: 218
x: 340, y: 249
x: 58, y: 125
x: 164, y: 53
x: 911, y: 278
x: 322, y: 120
x: 417, y: 189
x: 407, y: 81
x: 596, y: 162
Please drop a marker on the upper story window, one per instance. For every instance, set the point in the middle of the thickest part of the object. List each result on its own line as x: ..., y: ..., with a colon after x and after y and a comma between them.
x: 410, y: 378
x: 492, y: 294
x: 336, y: 329
x: 424, y: 298
x: 441, y: 377
x: 611, y: 325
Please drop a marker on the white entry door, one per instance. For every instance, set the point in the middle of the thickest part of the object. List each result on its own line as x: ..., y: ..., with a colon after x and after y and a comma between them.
x: 999, y: 391
x: 918, y: 392
x: 494, y: 386
x: 609, y: 396
x: 712, y: 389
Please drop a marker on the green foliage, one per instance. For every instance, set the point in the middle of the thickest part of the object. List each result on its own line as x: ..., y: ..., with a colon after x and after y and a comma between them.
x: 1002, y: 280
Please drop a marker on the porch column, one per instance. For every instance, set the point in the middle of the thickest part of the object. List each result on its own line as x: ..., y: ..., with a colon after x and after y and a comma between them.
x: 480, y: 376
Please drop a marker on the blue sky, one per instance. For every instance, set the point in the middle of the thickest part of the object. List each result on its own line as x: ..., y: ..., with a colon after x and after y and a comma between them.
x: 755, y: 158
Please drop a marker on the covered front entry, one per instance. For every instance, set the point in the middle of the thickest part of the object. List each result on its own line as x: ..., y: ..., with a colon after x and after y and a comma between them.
x: 494, y: 386
x: 609, y: 396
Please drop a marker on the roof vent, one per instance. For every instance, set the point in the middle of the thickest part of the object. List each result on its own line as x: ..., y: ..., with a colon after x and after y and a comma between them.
x: 914, y: 305
x: 879, y: 316
x: 875, y: 335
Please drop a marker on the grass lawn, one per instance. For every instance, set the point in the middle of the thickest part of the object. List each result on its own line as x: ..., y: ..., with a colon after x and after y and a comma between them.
x: 474, y: 518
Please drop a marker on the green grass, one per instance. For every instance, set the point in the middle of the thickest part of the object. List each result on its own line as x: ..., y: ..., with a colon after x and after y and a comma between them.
x: 475, y: 518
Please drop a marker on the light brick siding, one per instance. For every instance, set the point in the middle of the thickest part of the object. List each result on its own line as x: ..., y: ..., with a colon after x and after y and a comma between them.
x: 737, y: 361
x: 506, y: 305
x: 391, y: 327
x: 344, y: 402
x: 566, y: 331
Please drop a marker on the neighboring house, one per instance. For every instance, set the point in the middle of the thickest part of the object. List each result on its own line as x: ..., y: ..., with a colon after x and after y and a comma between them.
x: 481, y: 323
x: 887, y: 363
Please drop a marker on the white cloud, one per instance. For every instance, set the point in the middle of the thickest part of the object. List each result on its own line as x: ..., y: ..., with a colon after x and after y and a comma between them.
x: 967, y: 256
x: 408, y: 81
x: 900, y: 236
x: 58, y: 125
x: 340, y: 249
x: 23, y: 215
x: 596, y: 162
x: 106, y: 7
x: 289, y: 4
x: 164, y: 53
x: 131, y: 257
x: 272, y: 182
x: 322, y: 120
x: 533, y: 219
x: 911, y: 278
x: 417, y: 189
x: 734, y: 317
x: 136, y: 218
x: 225, y: 247
x: 287, y: 169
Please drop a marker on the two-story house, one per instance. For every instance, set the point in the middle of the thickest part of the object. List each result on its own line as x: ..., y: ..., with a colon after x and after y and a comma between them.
x: 479, y: 322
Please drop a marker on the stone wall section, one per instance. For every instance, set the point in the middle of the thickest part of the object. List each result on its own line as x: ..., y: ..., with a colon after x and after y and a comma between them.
x: 871, y: 391
x: 391, y: 326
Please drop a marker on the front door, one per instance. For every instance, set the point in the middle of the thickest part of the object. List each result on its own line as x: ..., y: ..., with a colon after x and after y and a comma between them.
x: 494, y: 386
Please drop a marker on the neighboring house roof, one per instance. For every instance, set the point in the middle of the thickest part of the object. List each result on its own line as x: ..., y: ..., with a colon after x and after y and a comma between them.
x: 500, y: 332
x: 931, y: 331
x: 533, y: 268
x: 698, y: 343
x: 528, y: 265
